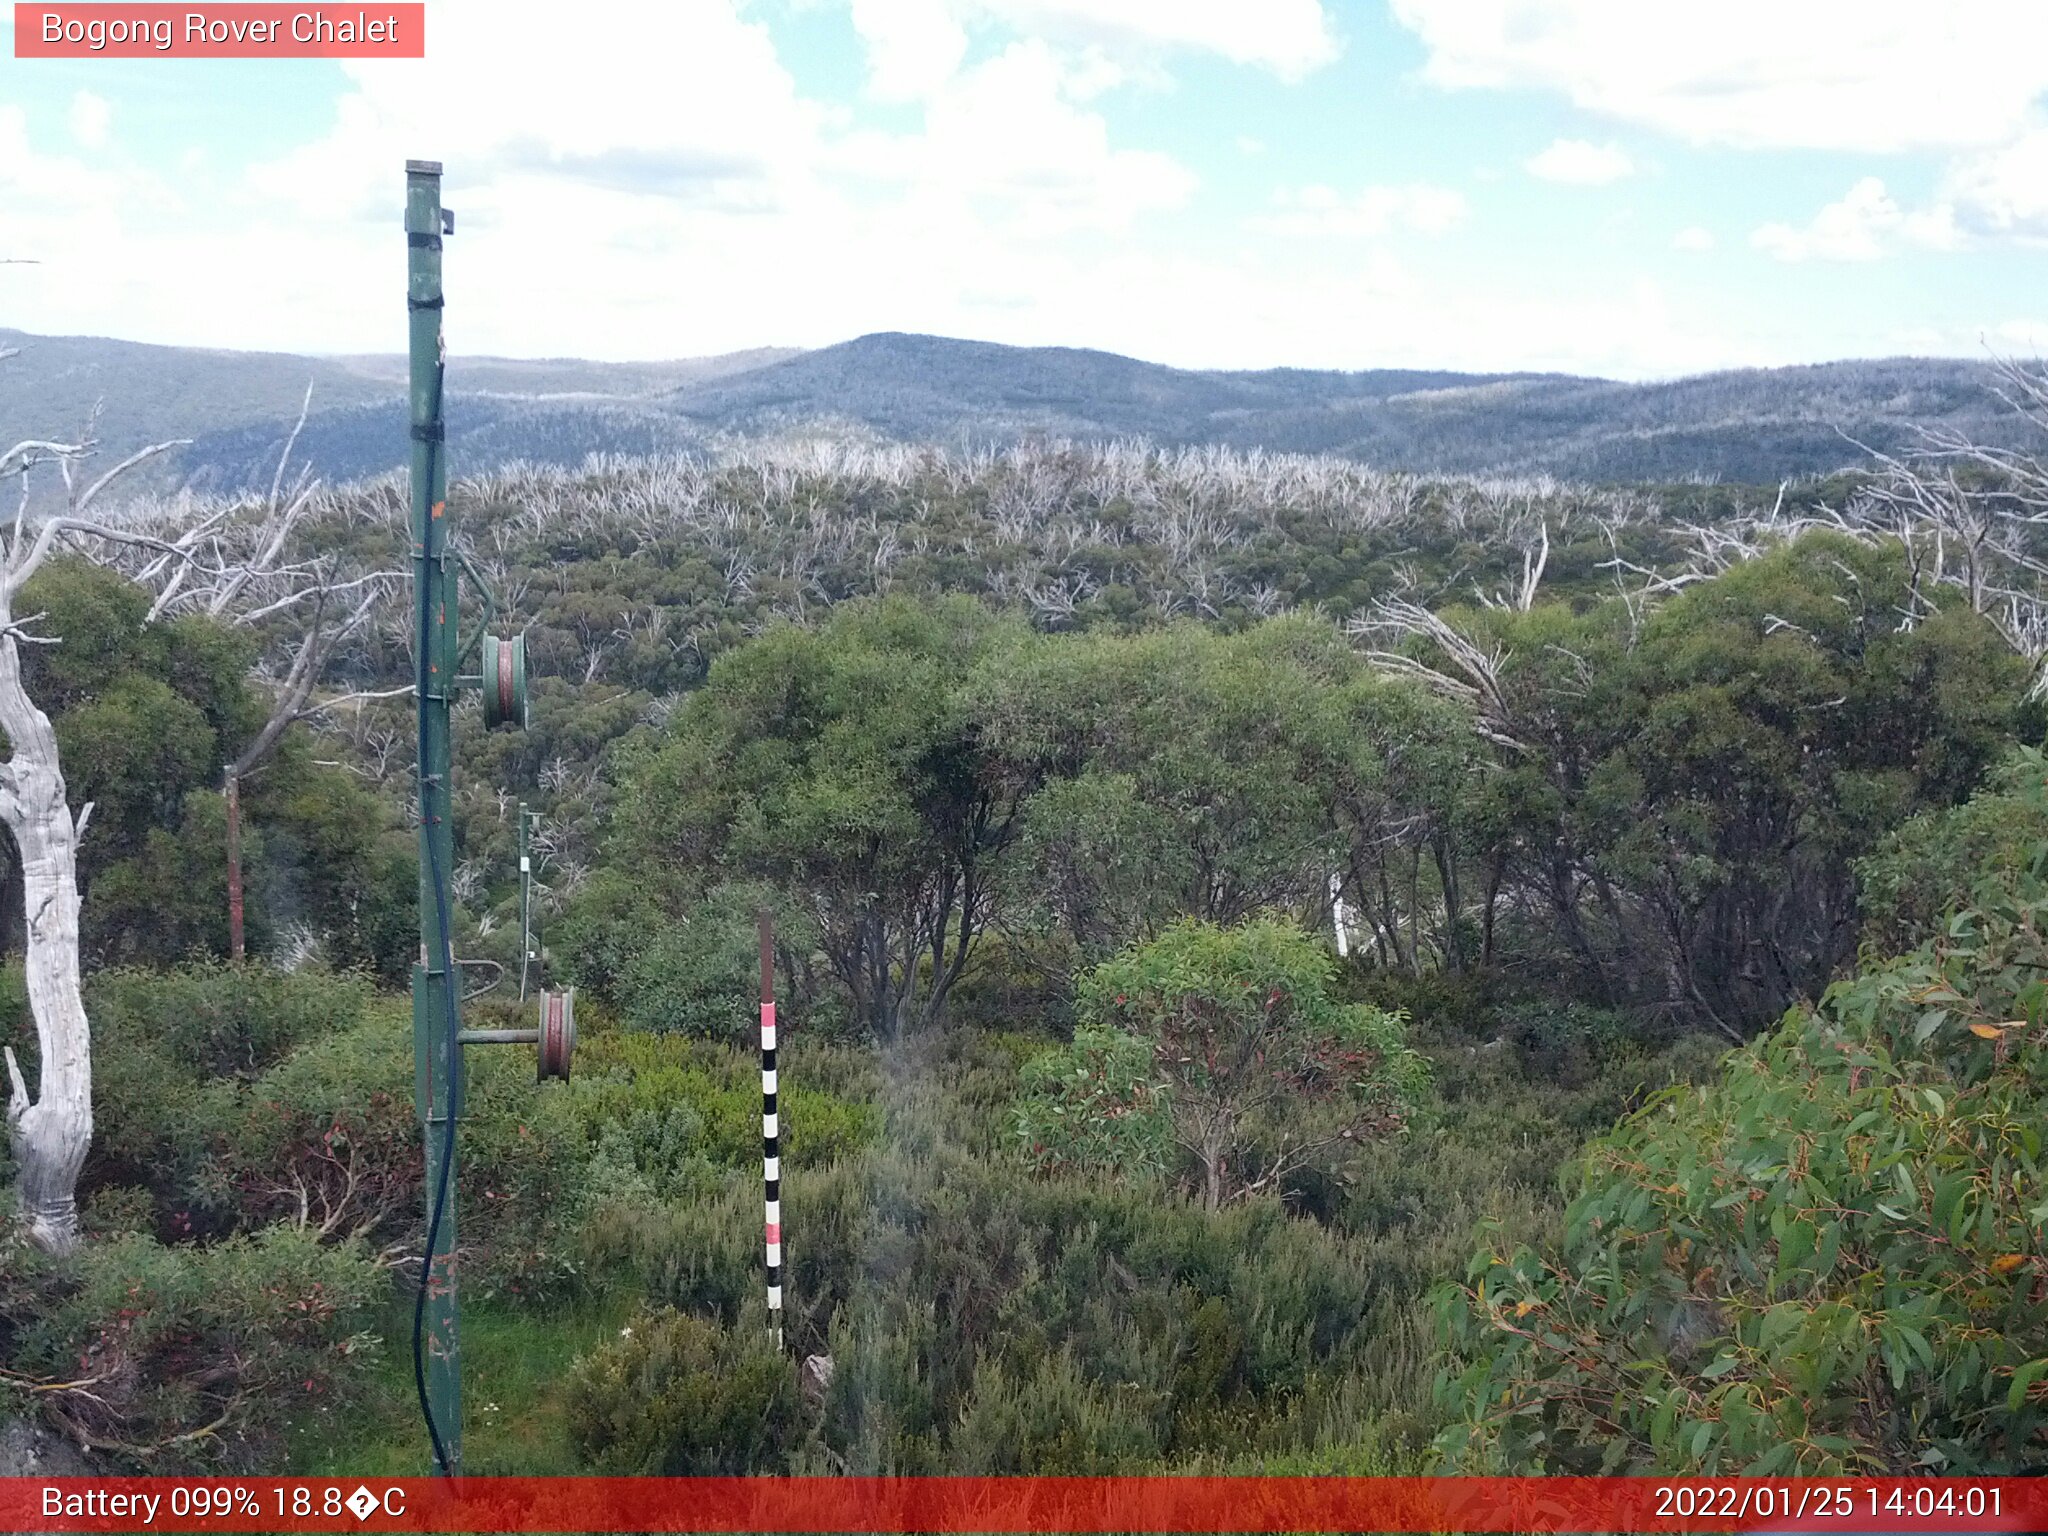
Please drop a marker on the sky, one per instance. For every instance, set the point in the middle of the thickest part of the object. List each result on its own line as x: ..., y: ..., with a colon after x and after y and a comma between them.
x: 1595, y: 186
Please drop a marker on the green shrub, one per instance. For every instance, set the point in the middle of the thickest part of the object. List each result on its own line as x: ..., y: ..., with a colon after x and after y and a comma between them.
x: 327, y: 1138
x: 216, y: 1020
x: 675, y: 1396
x: 192, y: 1356
x: 1451, y: 1002
x: 1054, y: 1422
x: 700, y: 1254
x: 1098, y: 1103
x: 698, y: 974
x: 1931, y: 866
x: 672, y: 1099
x: 171, y: 1050
x: 1828, y: 1261
x: 1260, y: 1067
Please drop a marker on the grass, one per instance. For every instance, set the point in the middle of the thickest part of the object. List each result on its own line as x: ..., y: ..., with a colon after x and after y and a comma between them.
x: 514, y: 1365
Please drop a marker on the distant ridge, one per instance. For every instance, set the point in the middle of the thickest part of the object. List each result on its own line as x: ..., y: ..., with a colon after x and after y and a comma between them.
x: 931, y: 387
x: 1753, y: 426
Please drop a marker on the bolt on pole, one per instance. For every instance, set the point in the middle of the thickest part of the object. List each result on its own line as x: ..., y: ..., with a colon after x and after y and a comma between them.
x: 436, y: 993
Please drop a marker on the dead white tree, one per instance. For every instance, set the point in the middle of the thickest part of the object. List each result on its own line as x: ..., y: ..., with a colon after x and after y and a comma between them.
x: 1460, y: 670
x: 51, y: 1129
x: 1534, y: 558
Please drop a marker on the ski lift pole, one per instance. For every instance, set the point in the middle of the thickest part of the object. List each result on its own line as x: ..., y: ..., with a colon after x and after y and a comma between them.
x: 436, y: 990
x: 438, y: 1035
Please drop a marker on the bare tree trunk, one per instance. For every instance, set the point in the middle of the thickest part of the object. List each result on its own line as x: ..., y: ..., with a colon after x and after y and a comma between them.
x: 234, y: 799
x: 50, y: 1133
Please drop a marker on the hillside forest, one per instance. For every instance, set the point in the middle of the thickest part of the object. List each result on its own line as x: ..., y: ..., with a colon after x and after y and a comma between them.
x: 1283, y: 967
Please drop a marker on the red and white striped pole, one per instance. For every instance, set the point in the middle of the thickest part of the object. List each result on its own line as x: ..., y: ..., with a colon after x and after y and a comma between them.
x: 771, y: 1130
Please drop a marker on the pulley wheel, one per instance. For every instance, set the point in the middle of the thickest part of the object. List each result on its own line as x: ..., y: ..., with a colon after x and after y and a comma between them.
x: 504, y: 681
x: 557, y: 1033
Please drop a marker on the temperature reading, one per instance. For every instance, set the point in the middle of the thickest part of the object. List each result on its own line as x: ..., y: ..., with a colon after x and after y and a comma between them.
x: 241, y: 1503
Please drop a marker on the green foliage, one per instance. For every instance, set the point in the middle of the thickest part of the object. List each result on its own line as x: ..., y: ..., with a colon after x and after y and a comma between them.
x: 146, y: 715
x: 980, y: 1318
x: 325, y: 1139
x: 835, y: 766
x: 215, y: 1357
x: 1259, y: 1066
x: 672, y: 1100
x: 956, y: 818
x: 1697, y: 784
x: 1828, y: 1261
x: 1053, y: 1422
x: 216, y: 1020
x: 170, y: 1046
x: 1931, y: 865
x: 676, y: 1396
x: 1096, y: 1104
x: 696, y: 973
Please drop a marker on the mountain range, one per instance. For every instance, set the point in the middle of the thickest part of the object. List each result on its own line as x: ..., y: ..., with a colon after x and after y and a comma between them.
x: 1753, y: 426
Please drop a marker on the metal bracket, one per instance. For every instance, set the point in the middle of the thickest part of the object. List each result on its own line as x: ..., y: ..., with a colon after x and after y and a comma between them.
x: 468, y: 650
x: 495, y: 966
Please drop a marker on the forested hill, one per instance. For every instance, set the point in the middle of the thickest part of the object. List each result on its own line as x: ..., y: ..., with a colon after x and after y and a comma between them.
x: 1753, y: 426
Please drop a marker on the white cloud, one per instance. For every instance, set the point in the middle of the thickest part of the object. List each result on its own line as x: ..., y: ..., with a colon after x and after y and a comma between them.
x: 685, y: 198
x: 1853, y: 229
x: 1288, y: 37
x: 2019, y: 338
x: 1368, y: 213
x: 1007, y: 144
x: 90, y: 119
x: 1874, y: 75
x: 2005, y: 191
x: 913, y: 46
x: 1581, y: 163
x: 699, y: 111
x: 1694, y: 237
x: 1862, y: 226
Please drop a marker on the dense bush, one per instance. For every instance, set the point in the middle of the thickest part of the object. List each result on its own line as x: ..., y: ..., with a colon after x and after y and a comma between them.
x: 1825, y: 1261
x: 1099, y: 1103
x: 676, y: 1396
x: 1931, y: 866
x: 1257, y: 1068
x: 1829, y: 1261
x: 174, y: 1050
x: 663, y: 1101
x: 696, y: 972
x: 189, y: 1356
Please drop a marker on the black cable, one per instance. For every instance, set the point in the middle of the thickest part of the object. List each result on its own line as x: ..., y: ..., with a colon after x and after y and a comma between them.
x: 447, y: 958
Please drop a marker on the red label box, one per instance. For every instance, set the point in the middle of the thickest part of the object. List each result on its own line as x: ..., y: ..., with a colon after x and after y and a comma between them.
x: 364, y: 29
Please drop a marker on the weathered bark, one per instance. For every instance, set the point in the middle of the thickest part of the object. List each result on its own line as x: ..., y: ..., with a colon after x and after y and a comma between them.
x: 51, y: 1132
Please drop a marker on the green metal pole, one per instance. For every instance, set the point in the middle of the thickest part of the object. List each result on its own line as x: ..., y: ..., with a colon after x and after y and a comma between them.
x: 437, y: 1055
x: 525, y: 902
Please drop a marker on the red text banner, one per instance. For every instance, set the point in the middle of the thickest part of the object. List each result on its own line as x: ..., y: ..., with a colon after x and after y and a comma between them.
x: 1026, y: 1504
x: 248, y: 29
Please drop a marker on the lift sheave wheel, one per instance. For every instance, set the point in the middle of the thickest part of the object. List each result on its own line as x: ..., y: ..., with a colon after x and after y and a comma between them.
x: 557, y: 1033
x: 504, y: 681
